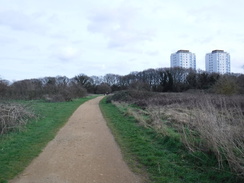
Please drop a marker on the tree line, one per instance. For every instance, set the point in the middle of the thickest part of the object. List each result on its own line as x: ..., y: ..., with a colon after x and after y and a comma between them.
x: 156, y: 80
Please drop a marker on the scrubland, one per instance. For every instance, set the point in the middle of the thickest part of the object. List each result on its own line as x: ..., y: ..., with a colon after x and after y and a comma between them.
x: 209, y: 124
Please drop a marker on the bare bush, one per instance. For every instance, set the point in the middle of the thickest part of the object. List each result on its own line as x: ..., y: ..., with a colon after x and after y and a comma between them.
x: 221, y: 131
x: 14, y: 117
x: 212, y: 124
x: 55, y: 98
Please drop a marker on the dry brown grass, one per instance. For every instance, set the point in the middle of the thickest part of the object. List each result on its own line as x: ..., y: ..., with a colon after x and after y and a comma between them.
x: 14, y: 117
x: 138, y: 114
x: 209, y: 123
x: 221, y: 130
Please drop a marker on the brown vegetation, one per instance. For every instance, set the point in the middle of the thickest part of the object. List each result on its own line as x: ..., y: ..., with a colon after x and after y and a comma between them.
x: 219, y: 124
x: 210, y: 123
x: 154, y: 80
x: 14, y: 117
x: 53, y: 89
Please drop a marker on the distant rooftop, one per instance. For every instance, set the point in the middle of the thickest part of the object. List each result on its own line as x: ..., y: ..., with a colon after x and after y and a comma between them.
x: 216, y: 51
x: 182, y: 51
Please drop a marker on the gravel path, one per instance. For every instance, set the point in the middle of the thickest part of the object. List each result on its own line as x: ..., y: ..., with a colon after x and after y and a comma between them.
x: 84, y: 151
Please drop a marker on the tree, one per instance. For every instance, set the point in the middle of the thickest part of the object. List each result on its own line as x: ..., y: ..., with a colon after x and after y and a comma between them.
x: 125, y: 81
x: 166, y: 80
x: 240, y: 82
x: 140, y: 85
x: 202, y: 80
x: 97, y: 80
x: 213, y: 78
x: 103, y: 88
x: 3, y: 88
x: 82, y: 80
x: 85, y: 81
x: 226, y: 85
x: 191, y: 79
x: 111, y: 79
x: 49, y: 85
x: 179, y: 75
x: 76, y: 91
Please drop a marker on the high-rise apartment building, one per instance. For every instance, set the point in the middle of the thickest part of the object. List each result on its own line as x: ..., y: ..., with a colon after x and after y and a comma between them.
x: 217, y: 61
x: 183, y: 58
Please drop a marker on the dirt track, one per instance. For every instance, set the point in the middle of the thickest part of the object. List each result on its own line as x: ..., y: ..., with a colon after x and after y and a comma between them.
x: 84, y: 151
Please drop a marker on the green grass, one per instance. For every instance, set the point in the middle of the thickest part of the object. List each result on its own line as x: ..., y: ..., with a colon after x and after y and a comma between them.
x: 18, y: 149
x: 164, y: 158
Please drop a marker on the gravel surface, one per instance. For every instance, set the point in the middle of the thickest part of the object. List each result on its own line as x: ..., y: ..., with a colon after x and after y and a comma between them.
x: 83, y: 151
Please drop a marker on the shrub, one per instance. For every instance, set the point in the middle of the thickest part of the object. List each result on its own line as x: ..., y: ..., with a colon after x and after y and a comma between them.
x: 216, y: 126
x: 132, y: 96
x: 103, y: 88
x: 226, y: 85
x: 119, y: 96
x: 14, y: 117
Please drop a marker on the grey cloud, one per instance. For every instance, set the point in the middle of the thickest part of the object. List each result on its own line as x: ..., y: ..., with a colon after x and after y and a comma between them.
x: 65, y: 53
x: 106, y: 21
x: 152, y: 53
x: 204, y: 39
x: 184, y: 36
x: 119, y: 26
x: 7, y: 40
x: 20, y: 21
x: 218, y: 12
x: 122, y: 38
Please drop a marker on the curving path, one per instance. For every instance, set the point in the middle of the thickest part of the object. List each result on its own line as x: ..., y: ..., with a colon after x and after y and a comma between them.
x: 84, y: 151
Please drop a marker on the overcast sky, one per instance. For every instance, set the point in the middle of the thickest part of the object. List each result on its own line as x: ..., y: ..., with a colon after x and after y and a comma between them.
x: 41, y: 38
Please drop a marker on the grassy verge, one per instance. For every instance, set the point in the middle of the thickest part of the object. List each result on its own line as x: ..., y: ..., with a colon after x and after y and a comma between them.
x: 164, y: 158
x: 18, y: 149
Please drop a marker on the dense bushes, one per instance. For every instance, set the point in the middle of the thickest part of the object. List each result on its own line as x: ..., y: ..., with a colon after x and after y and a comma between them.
x: 176, y: 80
x: 226, y: 85
x: 134, y: 96
x: 55, y: 89
x: 154, y: 80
